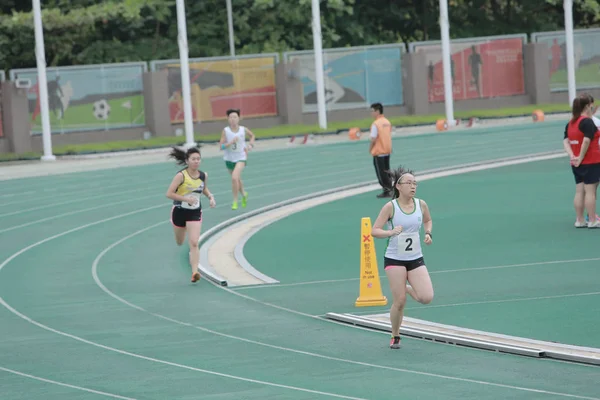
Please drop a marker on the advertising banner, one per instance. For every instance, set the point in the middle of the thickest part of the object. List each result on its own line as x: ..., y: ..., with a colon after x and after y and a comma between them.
x: 95, y: 97
x: 217, y: 84
x: 355, y: 77
x: 481, y: 67
x: 587, y: 58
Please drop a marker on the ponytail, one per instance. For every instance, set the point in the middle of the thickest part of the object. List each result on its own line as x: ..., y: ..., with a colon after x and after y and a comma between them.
x: 579, y: 104
x: 181, y: 156
x: 395, y: 177
x: 576, y: 109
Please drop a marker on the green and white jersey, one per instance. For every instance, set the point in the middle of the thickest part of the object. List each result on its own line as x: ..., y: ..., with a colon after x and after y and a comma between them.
x: 407, y: 245
x: 235, y: 152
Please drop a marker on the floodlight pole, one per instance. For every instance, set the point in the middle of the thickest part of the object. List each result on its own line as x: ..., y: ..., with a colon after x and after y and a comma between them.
x: 230, y: 27
x: 445, y: 31
x: 40, y: 56
x: 568, y: 7
x: 318, y: 50
x: 185, y: 74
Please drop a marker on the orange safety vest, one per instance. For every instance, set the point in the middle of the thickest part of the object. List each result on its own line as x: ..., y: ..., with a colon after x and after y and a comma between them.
x: 383, y: 142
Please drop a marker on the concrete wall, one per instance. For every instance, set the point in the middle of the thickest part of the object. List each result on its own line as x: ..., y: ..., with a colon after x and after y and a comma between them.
x: 289, y: 103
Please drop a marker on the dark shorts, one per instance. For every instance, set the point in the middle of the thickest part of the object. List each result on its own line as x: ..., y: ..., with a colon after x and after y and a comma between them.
x: 587, y: 173
x: 180, y: 216
x: 409, y: 265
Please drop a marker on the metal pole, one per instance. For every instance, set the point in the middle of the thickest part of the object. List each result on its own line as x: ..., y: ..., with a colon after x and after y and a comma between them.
x: 185, y: 74
x: 230, y: 26
x: 568, y: 7
x: 445, y: 31
x: 42, y: 81
x: 318, y: 46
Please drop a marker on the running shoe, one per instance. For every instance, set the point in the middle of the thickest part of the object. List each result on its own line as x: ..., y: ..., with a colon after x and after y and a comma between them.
x: 395, y: 342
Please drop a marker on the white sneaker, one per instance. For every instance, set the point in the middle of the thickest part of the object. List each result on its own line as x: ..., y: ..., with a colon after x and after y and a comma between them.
x: 594, y: 225
x: 581, y: 224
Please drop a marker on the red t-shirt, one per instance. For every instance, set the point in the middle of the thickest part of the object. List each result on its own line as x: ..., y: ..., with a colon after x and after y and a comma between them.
x: 576, y: 131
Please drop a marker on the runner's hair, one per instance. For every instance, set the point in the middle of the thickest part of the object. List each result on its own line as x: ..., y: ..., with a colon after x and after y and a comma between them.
x: 181, y: 156
x: 395, y: 176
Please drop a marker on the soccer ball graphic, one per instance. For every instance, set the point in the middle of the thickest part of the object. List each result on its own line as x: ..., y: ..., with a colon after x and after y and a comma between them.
x: 101, y: 109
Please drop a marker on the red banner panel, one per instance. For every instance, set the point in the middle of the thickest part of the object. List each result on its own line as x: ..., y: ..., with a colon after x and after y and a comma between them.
x: 480, y: 69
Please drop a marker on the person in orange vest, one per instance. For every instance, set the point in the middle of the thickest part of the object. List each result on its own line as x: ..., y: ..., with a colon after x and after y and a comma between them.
x: 381, y: 147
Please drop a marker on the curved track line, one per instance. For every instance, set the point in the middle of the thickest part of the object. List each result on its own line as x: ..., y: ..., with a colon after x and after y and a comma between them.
x: 306, y: 353
x: 447, y: 271
x: 558, y: 296
x: 311, y: 354
x: 37, y: 378
x: 30, y: 320
x: 172, y: 364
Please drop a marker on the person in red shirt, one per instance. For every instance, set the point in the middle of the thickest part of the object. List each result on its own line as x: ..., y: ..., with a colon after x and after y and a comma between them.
x: 581, y: 142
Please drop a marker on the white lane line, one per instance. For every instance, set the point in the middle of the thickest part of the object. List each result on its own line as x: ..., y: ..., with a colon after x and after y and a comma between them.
x: 532, y: 264
x: 287, y: 349
x: 37, y: 378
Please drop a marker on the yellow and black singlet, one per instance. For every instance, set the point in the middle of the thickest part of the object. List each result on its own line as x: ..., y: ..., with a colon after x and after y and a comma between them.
x: 190, y: 187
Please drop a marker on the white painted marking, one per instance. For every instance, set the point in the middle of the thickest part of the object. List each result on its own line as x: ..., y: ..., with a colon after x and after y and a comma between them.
x: 172, y: 364
x: 37, y: 378
x: 471, y: 303
x: 533, y: 264
x: 300, y: 205
x: 287, y: 349
x: 30, y: 320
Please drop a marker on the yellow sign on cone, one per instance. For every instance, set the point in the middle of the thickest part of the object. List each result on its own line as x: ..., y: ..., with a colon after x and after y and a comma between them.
x: 370, y: 287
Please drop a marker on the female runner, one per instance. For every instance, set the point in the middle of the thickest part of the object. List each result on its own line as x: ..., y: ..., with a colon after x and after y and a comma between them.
x: 403, y: 258
x: 185, y: 190
x: 233, y: 143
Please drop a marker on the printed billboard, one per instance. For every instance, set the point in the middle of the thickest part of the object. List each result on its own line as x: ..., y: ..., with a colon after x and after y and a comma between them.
x: 355, y: 77
x: 2, y: 78
x: 217, y: 84
x: 587, y: 58
x: 98, y: 97
x: 481, y: 67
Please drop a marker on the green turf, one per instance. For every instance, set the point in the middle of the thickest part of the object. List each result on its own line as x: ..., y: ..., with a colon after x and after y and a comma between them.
x: 81, y: 117
x: 524, y: 215
x: 585, y: 76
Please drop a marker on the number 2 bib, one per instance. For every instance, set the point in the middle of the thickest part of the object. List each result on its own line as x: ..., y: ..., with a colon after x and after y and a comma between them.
x: 408, y: 244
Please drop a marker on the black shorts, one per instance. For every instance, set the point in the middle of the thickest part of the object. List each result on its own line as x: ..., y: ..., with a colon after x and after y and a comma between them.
x: 180, y: 216
x: 409, y: 265
x: 587, y: 173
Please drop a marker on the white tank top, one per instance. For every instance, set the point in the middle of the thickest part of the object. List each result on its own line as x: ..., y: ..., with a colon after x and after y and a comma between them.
x: 235, y: 152
x: 407, y: 245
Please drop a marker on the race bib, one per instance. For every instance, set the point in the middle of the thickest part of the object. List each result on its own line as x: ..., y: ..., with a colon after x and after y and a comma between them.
x: 184, y: 204
x: 408, y: 244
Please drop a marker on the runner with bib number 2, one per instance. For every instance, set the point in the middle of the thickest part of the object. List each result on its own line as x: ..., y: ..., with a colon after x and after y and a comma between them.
x: 403, y: 260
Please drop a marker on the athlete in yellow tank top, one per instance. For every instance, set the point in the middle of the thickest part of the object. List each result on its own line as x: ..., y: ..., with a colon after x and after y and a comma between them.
x: 185, y: 190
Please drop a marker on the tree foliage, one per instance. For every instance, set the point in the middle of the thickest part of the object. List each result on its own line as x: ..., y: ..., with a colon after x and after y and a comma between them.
x: 91, y: 32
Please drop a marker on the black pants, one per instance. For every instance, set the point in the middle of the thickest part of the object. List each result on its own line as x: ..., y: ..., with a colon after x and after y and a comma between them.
x: 382, y: 165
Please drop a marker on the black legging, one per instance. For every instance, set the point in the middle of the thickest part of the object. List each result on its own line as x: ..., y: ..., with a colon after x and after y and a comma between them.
x: 382, y: 165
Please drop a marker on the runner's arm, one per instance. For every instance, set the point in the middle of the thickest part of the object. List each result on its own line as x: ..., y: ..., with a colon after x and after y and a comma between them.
x: 177, y: 180
x: 385, y: 214
x: 252, y: 136
x: 205, y: 191
x: 223, y: 142
x: 427, y: 222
